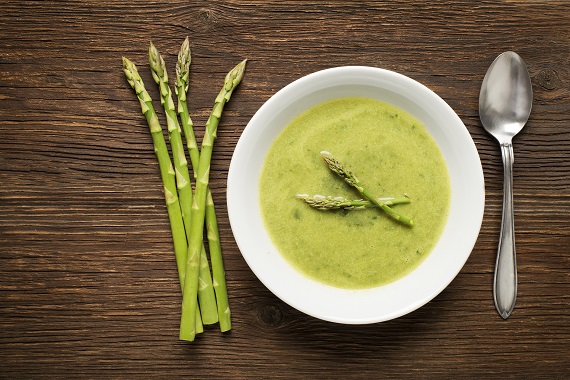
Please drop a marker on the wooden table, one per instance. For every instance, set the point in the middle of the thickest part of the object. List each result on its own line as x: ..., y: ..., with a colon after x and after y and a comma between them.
x: 88, y: 283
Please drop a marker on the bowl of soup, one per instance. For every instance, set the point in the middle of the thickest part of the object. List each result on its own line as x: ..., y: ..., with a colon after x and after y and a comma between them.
x: 318, y: 241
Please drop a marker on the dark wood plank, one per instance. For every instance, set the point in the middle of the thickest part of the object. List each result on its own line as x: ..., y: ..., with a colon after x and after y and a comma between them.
x: 88, y: 283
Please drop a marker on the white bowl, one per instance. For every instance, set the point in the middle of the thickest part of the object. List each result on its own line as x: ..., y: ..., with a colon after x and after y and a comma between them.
x: 434, y: 273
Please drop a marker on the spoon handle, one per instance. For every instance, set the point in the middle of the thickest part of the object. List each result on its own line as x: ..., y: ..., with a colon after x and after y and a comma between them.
x: 505, y: 282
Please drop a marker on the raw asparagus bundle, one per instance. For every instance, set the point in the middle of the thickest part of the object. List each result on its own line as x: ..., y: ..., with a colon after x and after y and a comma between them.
x: 189, y: 304
x: 351, y: 179
x: 189, y: 213
x: 323, y: 202
x: 206, y: 291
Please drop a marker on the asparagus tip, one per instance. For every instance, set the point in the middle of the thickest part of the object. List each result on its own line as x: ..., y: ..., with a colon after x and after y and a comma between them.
x: 237, y: 71
x: 184, y: 49
x: 155, y: 59
x: 183, y: 66
x: 130, y: 71
x: 126, y: 63
x: 152, y: 52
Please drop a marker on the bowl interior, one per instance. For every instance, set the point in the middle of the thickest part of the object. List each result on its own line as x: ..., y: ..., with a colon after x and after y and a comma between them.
x: 434, y: 273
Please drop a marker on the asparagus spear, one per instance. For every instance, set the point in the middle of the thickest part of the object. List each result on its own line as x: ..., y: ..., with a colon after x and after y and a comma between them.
x: 219, y: 283
x: 166, y: 172
x: 322, y: 202
x: 181, y: 89
x: 206, y: 294
x: 187, y: 324
x: 351, y: 179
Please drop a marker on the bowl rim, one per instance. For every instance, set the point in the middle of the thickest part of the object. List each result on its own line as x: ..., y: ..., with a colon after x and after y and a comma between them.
x: 305, y: 85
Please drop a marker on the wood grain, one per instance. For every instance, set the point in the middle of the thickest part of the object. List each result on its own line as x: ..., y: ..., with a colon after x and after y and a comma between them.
x: 88, y: 283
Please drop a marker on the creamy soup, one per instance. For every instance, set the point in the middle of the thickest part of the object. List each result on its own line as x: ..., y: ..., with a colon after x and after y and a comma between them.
x: 393, y: 155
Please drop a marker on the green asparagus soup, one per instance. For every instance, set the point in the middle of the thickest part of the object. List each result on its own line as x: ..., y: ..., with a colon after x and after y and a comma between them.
x: 392, y: 155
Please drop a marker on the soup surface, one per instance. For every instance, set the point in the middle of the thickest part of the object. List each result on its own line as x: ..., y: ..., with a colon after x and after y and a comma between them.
x: 392, y: 155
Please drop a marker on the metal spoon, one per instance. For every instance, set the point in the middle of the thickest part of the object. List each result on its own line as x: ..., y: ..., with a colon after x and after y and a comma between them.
x: 505, y: 102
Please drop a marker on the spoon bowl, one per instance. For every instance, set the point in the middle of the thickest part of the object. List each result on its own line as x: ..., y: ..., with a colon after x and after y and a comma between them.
x: 505, y: 102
